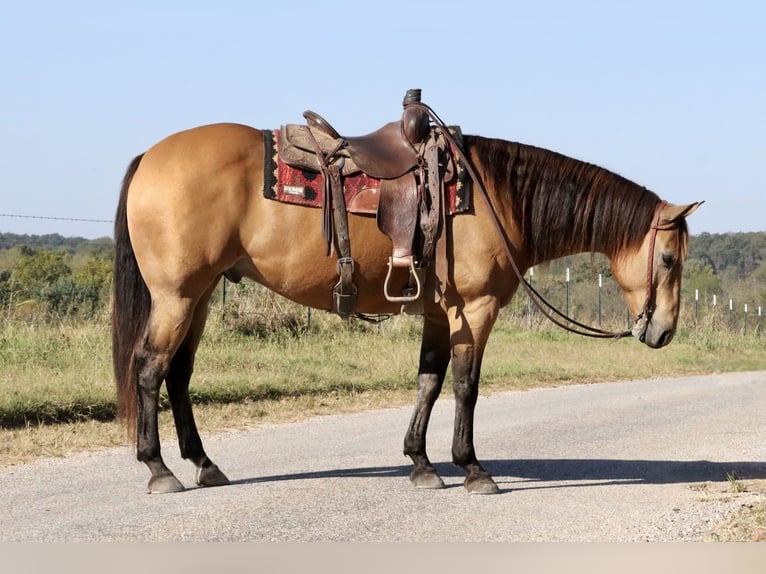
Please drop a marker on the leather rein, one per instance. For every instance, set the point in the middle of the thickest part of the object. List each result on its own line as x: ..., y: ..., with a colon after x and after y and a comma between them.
x: 546, y: 308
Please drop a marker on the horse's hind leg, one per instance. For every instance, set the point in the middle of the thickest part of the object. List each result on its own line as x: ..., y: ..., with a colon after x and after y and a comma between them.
x: 168, y: 326
x: 434, y: 358
x: 179, y: 375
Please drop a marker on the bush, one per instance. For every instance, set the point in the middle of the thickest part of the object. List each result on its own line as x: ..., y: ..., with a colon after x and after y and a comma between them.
x: 45, y: 281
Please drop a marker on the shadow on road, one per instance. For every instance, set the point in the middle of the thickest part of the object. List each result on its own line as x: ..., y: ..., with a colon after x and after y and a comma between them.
x: 581, y: 472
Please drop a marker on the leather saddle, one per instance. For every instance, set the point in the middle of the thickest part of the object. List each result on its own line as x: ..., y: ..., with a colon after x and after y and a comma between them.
x: 412, y: 163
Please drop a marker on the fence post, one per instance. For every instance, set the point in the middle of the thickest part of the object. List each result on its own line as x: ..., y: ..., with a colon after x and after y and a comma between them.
x: 744, y: 329
x: 223, y: 300
x: 530, y: 307
x: 599, y: 300
x: 567, y: 291
x: 696, y: 307
x: 731, y: 314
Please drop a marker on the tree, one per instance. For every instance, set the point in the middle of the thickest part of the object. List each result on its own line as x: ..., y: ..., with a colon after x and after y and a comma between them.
x: 699, y: 276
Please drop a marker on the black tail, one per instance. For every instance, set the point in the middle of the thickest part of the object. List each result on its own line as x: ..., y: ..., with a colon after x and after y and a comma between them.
x: 131, y: 304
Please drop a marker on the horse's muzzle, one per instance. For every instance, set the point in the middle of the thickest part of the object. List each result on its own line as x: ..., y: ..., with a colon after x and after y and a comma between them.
x: 649, y: 333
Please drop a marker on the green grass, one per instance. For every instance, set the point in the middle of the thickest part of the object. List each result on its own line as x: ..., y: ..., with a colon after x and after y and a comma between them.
x: 54, y: 373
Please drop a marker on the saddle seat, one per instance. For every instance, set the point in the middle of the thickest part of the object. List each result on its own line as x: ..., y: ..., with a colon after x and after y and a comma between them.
x: 386, y: 153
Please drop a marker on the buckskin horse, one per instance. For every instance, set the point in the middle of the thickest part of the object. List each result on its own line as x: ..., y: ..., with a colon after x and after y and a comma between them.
x: 192, y: 209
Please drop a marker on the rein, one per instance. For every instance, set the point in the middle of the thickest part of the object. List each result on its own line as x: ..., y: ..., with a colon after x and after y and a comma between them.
x: 547, y: 309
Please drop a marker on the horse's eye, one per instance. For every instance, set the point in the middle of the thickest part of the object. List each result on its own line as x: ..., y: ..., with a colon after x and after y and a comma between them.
x: 668, y: 260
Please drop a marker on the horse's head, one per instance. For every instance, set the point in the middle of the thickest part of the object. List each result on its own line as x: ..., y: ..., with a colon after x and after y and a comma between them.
x: 650, y: 275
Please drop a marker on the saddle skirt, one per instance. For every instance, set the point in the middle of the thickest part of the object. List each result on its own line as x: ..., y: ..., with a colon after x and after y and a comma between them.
x: 300, y: 182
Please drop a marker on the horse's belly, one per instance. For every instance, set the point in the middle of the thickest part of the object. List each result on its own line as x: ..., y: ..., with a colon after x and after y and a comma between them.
x: 292, y: 260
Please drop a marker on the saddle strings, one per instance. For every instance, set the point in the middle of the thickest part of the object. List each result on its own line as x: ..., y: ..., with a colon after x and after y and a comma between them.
x: 547, y: 309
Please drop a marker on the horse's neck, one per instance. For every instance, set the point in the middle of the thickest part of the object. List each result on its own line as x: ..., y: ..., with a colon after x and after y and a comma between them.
x: 562, y: 206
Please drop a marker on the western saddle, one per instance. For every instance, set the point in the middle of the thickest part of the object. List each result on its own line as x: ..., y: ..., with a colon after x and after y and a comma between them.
x: 412, y: 161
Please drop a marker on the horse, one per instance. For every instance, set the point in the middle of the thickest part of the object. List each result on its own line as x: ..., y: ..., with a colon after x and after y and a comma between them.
x: 192, y: 209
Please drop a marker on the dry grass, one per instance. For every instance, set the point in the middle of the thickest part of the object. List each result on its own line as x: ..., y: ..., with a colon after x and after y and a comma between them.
x: 749, y: 523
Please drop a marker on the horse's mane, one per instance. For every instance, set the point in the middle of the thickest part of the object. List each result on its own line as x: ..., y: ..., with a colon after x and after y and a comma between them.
x: 563, y: 205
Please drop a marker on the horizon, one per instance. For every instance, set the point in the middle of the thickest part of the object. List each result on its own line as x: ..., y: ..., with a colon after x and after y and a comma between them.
x: 109, y: 237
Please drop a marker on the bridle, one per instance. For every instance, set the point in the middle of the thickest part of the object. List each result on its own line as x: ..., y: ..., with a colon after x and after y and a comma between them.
x: 650, y: 303
x: 548, y: 310
x: 565, y: 322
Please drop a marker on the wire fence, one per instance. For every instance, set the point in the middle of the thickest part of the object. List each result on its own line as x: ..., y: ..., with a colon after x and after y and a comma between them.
x: 252, y: 308
x: 55, y: 218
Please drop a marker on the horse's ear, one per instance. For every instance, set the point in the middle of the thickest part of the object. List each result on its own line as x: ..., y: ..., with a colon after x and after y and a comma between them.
x: 673, y: 213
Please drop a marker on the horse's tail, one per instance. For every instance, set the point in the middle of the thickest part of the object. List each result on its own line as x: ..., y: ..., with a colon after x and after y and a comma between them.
x: 131, y: 304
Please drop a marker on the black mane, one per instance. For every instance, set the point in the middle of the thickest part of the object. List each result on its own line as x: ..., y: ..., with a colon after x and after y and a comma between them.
x: 563, y: 205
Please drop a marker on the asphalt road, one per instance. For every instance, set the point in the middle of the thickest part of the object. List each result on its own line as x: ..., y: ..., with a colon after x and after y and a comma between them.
x: 641, y: 460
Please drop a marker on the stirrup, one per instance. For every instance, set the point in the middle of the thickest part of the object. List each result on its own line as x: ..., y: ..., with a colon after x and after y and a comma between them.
x: 344, y: 293
x: 413, y: 273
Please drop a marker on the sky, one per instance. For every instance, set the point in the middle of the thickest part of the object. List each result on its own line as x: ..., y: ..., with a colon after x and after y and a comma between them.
x: 671, y: 95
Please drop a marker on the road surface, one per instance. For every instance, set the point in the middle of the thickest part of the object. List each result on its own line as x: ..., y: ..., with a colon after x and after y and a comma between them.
x: 632, y: 461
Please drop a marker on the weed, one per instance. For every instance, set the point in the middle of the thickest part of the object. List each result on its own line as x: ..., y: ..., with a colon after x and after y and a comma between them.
x: 735, y: 485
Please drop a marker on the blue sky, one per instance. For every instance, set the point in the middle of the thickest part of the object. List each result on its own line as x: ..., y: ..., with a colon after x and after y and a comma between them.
x: 668, y: 94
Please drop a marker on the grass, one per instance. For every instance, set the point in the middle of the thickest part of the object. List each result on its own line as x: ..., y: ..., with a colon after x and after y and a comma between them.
x: 60, y: 374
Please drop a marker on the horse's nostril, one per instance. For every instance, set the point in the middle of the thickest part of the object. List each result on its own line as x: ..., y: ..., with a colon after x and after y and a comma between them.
x: 663, y: 339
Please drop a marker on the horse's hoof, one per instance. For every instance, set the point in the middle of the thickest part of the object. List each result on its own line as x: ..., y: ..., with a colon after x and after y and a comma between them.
x: 481, y: 485
x: 211, y: 476
x: 426, y: 478
x: 165, y: 484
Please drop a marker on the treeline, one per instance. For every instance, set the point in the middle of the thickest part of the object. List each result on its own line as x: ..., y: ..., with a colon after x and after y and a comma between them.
x: 737, y: 254
x: 55, y: 242
x: 72, y: 275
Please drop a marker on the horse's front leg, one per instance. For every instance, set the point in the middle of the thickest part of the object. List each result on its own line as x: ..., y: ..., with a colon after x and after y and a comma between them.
x: 469, y: 339
x: 434, y: 358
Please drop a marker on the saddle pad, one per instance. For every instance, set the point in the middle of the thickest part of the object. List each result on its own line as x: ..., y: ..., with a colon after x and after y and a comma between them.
x: 303, y: 187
